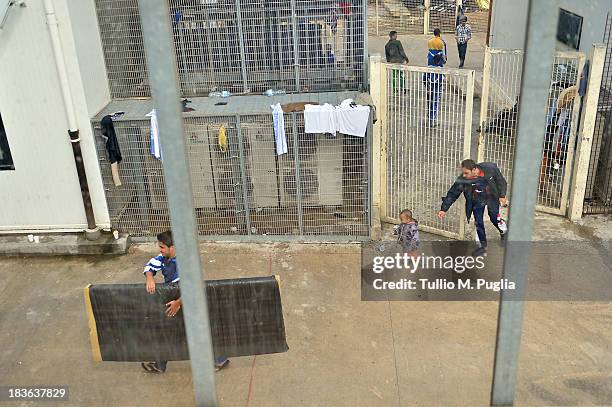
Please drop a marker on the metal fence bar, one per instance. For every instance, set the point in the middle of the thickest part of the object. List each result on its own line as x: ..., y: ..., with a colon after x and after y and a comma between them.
x: 242, y: 51
x: 161, y: 58
x: 298, y: 177
x: 537, y: 68
x: 243, y: 178
x: 296, y: 45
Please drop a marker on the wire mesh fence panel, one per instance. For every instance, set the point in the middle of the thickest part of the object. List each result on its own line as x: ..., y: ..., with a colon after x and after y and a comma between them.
x: 442, y: 15
x: 320, y: 187
x: 499, y: 114
x: 428, y: 114
x: 333, y: 174
x: 403, y: 16
x: 123, y: 47
x: 241, y: 46
x: 477, y: 12
x: 598, y: 196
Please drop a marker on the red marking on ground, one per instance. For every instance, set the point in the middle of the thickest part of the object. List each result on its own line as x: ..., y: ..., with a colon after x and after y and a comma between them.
x: 251, y: 382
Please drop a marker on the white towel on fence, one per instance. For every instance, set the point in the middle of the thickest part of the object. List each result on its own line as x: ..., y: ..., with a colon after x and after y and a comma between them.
x: 353, y: 120
x: 155, y: 146
x: 279, y: 129
x: 320, y: 119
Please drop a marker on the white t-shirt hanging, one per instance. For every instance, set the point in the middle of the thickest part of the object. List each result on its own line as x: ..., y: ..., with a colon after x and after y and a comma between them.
x: 320, y: 119
x: 155, y: 145
x: 353, y: 120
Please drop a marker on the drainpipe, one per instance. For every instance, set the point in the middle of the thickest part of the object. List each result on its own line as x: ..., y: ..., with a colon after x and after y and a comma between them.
x: 92, y: 232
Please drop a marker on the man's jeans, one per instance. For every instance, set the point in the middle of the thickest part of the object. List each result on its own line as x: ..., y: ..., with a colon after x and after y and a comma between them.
x: 462, y: 48
x: 478, y: 212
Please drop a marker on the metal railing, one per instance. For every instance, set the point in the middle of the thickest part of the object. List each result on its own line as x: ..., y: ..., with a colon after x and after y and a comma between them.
x: 242, y: 46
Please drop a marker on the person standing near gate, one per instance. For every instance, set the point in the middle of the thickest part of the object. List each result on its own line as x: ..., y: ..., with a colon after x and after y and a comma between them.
x: 463, y: 34
x: 436, y: 58
x: 482, y: 185
x: 394, y: 52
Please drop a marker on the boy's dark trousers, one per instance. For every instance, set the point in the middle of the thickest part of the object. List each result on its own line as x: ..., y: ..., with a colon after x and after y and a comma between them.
x: 478, y: 212
x: 462, y: 48
x: 161, y: 364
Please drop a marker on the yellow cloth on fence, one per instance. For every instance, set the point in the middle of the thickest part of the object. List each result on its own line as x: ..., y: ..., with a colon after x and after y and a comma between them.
x: 483, y: 4
x: 222, y: 139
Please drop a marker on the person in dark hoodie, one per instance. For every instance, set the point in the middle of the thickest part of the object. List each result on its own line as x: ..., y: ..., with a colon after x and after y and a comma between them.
x: 394, y: 52
x: 483, y: 186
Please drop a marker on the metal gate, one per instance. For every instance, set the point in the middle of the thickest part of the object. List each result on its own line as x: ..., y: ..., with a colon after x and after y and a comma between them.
x: 598, y: 195
x: 499, y: 113
x: 423, y: 16
x: 426, y: 135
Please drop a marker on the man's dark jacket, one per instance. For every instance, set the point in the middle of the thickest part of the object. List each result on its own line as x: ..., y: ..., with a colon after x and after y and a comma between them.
x: 495, y: 180
x: 394, y: 52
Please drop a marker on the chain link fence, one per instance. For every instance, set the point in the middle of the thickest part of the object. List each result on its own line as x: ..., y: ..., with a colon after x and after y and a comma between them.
x: 242, y: 46
x: 499, y: 114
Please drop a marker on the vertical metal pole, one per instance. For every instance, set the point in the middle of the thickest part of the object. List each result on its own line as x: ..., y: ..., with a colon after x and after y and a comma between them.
x: 426, y: 16
x: 244, y: 189
x: 365, y: 32
x: 245, y: 85
x: 161, y: 61
x: 537, y: 67
x: 298, y: 178
x: 467, y: 137
x: 484, y: 103
x: 296, y: 50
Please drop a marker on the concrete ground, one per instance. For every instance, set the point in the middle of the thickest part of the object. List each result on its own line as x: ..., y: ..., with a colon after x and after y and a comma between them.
x: 343, y: 352
x: 415, y: 47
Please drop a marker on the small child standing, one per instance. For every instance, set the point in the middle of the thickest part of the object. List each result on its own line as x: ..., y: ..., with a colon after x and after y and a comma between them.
x: 408, y: 232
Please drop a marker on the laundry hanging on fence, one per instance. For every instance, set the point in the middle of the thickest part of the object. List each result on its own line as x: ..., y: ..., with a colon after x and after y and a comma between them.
x: 279, y: 129
x: 347, y: 118
x: 352, y: 119
x: 222, y: 139
x: 112, y: 147
x: 320, y: 119
x: 127, y: 324
x: 155, y: 146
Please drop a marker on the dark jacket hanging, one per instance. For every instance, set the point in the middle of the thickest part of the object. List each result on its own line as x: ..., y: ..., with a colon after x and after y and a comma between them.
x: 112, y: 144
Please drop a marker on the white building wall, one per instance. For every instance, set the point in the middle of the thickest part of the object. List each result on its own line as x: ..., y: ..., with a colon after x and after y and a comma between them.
x: 43, y: 192
x: 594, y: 14
x: 509, y: 22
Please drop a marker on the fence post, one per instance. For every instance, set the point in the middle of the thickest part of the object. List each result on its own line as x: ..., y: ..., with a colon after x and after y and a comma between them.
x: 484, y: 102
x: 245, y: 87
x: 426, y: 13
x: 383, y: 117
x: 587, y: 128
x: 467, y: 135
x: 296, y: 44
x: 375, y: 92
